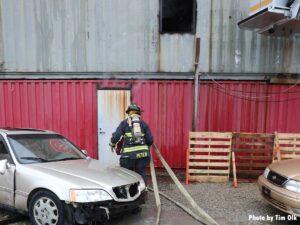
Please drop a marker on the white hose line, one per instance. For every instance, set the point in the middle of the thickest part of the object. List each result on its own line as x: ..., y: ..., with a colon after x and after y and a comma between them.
x: 156, y: 192
x: 206, y: 219
x: 184, y: 208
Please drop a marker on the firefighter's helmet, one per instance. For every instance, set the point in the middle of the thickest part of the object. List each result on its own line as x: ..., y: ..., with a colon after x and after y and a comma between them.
x: 134, y: 107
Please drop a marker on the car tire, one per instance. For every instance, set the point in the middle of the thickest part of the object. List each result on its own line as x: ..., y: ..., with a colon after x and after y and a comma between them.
x: 45, y: 208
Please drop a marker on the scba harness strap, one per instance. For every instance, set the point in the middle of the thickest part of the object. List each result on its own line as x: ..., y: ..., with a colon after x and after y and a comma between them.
x: 137, y: 136
x: 135, y: 139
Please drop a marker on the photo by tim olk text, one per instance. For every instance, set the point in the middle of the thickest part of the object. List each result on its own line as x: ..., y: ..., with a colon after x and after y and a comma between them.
x: 272, y: 218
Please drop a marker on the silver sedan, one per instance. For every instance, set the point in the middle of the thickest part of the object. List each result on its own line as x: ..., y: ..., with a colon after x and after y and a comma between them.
x: 45, y: 176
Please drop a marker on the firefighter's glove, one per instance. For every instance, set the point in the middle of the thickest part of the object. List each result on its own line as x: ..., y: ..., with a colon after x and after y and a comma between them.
x: 112, y: 147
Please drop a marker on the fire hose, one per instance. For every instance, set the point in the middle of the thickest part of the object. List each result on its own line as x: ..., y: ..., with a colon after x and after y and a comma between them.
x: 202, y: 216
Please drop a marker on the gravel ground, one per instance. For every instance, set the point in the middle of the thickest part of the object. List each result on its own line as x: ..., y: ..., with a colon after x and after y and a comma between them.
x: 227, y: 205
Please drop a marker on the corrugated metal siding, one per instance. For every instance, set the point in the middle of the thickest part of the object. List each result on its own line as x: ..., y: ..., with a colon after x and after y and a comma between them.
x: 89, y: 35
x: 226, y: 48
x: 283, y: 111
x: 65, y: 107
x: 176, y: 53
x: 70, y: 108
x: 123, y: 36
x: 249, y: 107
x: 168, y: 109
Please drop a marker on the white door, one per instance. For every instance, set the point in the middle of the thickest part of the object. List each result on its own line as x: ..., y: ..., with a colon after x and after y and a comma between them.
x: 112, y: 105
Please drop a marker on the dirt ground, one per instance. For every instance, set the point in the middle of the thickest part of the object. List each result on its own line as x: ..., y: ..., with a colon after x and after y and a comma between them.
x: 227, y: 205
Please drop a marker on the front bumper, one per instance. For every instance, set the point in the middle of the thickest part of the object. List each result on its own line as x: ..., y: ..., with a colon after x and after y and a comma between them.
x: 103, y: 211
x: 279, y: 197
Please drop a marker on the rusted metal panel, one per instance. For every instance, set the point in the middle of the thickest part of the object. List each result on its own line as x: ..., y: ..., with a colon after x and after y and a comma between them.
x: 90, y: 35
x: 226, y: 48
x: 70, y: 107
x: 123, y: 36
x: 79, y: 35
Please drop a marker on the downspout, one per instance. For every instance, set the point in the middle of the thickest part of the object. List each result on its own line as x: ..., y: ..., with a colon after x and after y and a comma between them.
x: 210, y: 36
x: 196, y: 85
x: 196, y: 94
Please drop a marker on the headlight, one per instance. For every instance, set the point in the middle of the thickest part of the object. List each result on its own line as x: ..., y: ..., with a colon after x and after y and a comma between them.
x: 293, y: 185
x: 266, y: 172
x: 89, y: 196
x: 142, y: 185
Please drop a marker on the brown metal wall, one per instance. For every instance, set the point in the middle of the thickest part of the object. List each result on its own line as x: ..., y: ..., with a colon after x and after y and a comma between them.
x: 70, y: 108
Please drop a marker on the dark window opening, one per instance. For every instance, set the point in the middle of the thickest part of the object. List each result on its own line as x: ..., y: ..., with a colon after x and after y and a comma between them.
x: 177, y: 16
x: 3, y: 152
x: 2, y: 148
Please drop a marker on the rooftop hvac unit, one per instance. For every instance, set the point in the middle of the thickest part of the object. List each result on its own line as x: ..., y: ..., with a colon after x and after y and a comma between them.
x: 273, y: 17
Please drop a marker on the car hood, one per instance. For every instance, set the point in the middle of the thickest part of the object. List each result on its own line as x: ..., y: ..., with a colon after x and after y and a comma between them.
x: 88, y: 173
x: 289, y: 168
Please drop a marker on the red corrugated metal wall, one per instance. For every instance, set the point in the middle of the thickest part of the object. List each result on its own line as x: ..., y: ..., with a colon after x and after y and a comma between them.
x: 70, y: 108
x: 67, y: 107
x: 249, y: 107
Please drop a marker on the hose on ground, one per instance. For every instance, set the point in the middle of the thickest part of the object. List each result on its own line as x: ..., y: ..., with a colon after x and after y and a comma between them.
x: 184, y: 208
x: 203, y: 216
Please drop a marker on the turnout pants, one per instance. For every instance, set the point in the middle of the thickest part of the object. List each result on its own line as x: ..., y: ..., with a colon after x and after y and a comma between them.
x: 137, y: 165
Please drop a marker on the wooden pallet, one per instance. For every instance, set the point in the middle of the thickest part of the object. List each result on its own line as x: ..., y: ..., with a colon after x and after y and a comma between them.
x: 287, y: 146
x: 208, y: 157
x: 253, y: 152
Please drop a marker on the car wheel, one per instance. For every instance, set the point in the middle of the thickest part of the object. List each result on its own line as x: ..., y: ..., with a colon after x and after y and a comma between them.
x: 46, y: 209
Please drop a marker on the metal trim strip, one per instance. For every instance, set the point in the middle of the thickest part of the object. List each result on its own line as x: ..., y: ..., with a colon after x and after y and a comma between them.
x: 131, y: 76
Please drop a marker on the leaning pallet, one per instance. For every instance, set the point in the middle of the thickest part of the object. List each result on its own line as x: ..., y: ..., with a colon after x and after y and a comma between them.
x: 208, y: 157
x: 253, y: 152
x: 287, y: 146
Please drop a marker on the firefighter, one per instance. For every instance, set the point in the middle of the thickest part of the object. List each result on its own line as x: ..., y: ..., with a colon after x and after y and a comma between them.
x: 137, y: 139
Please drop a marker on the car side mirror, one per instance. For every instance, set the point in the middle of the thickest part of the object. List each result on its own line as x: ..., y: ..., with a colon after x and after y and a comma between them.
x: 4, y: 165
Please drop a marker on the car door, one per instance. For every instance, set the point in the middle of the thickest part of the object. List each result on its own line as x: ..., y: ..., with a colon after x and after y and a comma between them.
x: 6, y: 179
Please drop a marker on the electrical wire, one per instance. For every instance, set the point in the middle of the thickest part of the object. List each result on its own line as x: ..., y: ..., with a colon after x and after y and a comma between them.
x: 269, y: 93
x: 227, y: 91
x: 255, y: 100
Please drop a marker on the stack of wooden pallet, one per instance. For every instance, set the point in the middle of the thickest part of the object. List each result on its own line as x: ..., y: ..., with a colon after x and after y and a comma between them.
x: 253, y: 152
x: 286, y: 146
x: 209, y: 154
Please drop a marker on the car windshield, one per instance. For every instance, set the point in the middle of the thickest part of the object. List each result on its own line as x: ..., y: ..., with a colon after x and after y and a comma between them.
x: 37, y: 148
